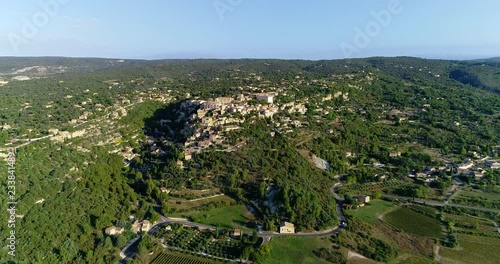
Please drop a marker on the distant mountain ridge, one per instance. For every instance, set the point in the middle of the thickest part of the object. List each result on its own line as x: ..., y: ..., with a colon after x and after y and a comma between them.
x: 482, y: 74
x: 494, y: 59
x: 43, y: 66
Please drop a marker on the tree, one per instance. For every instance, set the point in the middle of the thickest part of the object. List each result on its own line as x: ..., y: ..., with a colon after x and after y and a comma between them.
x: 352, y: 179
x: 150, y: 187
x: 121, y: 241
x: 68, y: 250
x: 254, y: 236
x: 4, y: 137
x: 108, y: 243
x: 232, y: 180
x: 262, y: 190
x: 350, y: 200
x: 155, y: 217
x: 247, y: 251
x: 463, y: 151
x: 262, y: 253
x: 420, y: 191
x: 269, y: 225
x: 138, y: 176
x: 89, y: 256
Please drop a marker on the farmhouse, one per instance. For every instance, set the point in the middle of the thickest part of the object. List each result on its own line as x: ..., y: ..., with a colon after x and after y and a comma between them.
x: 187, y: 155
x: 146, y: 226
x: 287, y: 228
x: 493, y: 164
x: 381, y: 176
x: 136, y: 227
x: 395, y: 154
x: 362, y: 199
x: 467, y: 164
x: 236, y: 232
x: 111, y: 231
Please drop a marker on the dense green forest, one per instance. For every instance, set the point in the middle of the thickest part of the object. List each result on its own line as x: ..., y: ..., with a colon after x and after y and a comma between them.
x: 63, y: 214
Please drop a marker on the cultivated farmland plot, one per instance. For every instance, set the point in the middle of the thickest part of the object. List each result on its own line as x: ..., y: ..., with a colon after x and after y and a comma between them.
x: 165, y: 258
x: 413, y: 222
x: 375, y: 186
x: 225, y: 249
x: 198, y: 242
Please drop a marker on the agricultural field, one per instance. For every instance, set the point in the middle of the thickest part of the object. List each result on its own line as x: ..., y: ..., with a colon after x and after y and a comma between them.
x: 296, y: 250
x: 183, y: 205
x: 410, y: 244
x: 465, y: 224
x: 427, y: 210
x: 189, y: 194
x: 369, y: 213
x: 177, y: 258
x: 191, y: 240
x: 227, y: 217
x: 473, y: 249
x: 413, y: 222
x: 469, y: 192
x: 408, y: 190
x: 478, y: 198
x: 375, y: 186
x: 230, y: 249
x: 410, y: 259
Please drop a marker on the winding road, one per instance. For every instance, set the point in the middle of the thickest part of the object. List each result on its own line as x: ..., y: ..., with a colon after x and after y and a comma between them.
x: 266, y: 236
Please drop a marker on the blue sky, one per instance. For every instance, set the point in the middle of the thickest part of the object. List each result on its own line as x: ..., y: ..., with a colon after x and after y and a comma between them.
x: 320, y: 29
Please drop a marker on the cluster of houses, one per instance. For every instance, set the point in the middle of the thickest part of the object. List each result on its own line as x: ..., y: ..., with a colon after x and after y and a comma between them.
x: 142, y: 226
x: 3, y: 82
x: 428, y: 174
x: 473, y: 168
x: 137, y: 227
x: 477, y: 168
x: 118, y: 109
x: 210, y: 120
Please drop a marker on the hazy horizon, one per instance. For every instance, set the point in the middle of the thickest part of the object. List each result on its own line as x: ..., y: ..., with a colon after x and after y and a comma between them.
x: 472, y: 58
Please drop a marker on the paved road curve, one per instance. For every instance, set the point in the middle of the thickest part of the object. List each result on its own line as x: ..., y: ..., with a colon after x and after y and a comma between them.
x: 266, y: 236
